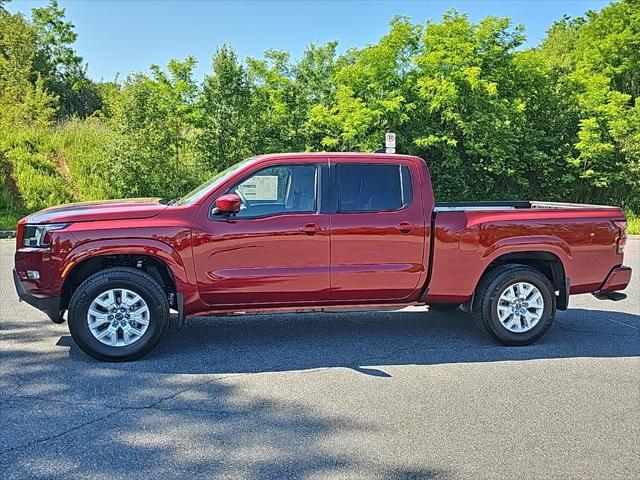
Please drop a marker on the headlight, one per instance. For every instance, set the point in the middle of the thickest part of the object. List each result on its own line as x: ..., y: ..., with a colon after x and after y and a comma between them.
x: 36, y: 235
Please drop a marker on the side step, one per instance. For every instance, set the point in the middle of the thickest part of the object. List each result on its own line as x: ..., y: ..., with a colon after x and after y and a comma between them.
x: 615, y: 296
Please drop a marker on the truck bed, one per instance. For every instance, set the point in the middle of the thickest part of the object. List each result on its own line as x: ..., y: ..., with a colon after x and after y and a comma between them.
x: 470, y: 236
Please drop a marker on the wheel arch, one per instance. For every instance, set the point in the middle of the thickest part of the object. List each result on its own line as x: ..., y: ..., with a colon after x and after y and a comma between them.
x: 549, y: 263
x: 155, y: 258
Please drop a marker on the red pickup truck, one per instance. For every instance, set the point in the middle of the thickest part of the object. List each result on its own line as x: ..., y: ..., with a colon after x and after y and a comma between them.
x: 312, y: 232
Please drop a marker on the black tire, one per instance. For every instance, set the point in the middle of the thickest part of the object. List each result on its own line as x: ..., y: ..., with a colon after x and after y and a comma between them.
x: 121, y: 277
x: 443, y: 307
x: 486, y: 298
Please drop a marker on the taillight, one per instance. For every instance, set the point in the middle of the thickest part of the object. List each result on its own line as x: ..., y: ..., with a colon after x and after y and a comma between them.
x: 621, y: 237
x: 19, y: 233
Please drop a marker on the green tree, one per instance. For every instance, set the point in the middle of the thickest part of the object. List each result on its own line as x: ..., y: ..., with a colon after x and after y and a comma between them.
x: 375, y: 92
x: 278, y: 104
x: 22, y: 102
x: 597, y: 61
x: 469, y: 107
x: 154, y: 126
x: 494, y: 120
x: 607, y: 69
x: 58, y: 63
x: 225, y: 118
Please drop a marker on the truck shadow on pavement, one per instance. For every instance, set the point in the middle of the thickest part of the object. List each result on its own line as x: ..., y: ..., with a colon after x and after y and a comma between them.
x: 65, y: 415
x: 264, y: 343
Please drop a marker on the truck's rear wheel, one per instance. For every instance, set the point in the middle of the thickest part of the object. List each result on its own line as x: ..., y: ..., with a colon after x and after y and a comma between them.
x: 515, y: 304
x: 118, y: 314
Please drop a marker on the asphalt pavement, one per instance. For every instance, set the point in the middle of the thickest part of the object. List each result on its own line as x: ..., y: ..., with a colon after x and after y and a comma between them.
x: 403, y: 395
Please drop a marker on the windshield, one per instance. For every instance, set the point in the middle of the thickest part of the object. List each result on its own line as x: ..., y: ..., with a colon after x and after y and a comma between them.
x: 199, y: 192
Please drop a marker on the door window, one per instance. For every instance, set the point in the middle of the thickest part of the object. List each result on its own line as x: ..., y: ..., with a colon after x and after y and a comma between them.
x: 278, y: 190
x: 373, y: 188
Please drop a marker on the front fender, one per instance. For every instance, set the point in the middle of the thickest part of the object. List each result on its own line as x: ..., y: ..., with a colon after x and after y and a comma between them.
x: 143, y: 246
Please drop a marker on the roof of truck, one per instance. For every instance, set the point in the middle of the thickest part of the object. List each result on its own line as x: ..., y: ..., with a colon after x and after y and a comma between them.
x: 335, y: 155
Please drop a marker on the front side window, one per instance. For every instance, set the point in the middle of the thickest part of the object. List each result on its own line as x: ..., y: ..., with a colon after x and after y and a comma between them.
x: 203, y: 190
x: 373, y: 188
x: 277, y: 190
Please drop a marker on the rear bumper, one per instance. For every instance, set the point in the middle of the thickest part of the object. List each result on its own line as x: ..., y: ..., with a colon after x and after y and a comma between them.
x: 48, y: 305
x: 618, y: 279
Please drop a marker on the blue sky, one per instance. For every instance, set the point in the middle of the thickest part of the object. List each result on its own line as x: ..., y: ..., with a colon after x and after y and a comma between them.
x: 121, y: 37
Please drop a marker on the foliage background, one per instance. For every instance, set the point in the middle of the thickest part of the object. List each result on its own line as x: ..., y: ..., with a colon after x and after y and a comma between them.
x: 494, y: 120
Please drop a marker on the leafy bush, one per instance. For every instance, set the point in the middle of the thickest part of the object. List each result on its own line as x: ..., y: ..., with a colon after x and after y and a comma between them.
x: 633, y: 223
x: 494, y: 120
x: 34, y: 170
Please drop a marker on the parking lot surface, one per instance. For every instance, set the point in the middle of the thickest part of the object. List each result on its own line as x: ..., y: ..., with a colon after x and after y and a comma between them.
x: 406, y: 395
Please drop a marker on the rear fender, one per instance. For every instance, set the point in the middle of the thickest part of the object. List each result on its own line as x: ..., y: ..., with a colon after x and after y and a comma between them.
x: 536, y: 244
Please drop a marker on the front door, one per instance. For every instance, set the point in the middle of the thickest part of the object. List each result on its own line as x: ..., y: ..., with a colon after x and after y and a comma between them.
x: 275, y: 251
x: 377, y: 232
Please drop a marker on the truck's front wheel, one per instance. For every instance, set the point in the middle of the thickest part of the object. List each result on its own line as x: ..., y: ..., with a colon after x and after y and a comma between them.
x: 118, y: 314
x: 515, y: 304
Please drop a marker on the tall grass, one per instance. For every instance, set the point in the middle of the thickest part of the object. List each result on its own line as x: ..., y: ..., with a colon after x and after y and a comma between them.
x: 633, y: 223
x: 83, y: 149
x: 51, y: 166
x: 30, y: 154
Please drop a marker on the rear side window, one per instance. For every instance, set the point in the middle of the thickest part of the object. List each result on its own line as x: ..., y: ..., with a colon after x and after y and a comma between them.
x: 373, y: 188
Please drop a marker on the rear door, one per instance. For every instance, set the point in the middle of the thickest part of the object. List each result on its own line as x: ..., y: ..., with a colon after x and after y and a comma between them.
x: 377, y: 231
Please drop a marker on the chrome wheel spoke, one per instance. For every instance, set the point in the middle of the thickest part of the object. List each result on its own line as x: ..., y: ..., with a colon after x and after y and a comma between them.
x: 530, y: 319
x: 126, y: 335
x: 536, y: 300
x: 97, y: 314
x: 130, y: 299
x: 510, y: 294
x: 504, y: 311
x: 107, y: 332
x: 520, y: 307
x: 98, y: 322
x: 141, y: 320
x: 513, y: 323
x: 106, y: 300
x: 135, y: 331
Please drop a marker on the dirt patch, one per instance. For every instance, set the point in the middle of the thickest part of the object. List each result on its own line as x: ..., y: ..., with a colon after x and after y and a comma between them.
x: 61, y: 166
x: 9, y: 182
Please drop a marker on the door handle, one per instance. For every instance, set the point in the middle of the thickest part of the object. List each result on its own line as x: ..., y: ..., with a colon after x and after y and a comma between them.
x: 405, y: 227
x: 309, y: 229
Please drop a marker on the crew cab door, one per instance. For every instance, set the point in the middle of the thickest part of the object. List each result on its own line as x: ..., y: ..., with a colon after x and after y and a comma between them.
x: 275, y: 251
x: 377, y: 231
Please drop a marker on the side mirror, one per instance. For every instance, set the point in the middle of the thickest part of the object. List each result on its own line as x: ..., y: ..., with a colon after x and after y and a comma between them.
x: 228, y: 203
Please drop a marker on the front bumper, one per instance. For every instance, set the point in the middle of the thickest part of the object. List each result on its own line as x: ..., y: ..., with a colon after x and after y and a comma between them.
x: 49, y: 305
